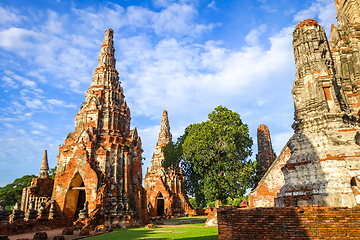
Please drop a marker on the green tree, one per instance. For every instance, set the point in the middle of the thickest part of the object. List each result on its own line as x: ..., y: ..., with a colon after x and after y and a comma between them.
x: 192, y: 185
x: 52, y: 172
x: 12, y: 192
x: 218, y: 151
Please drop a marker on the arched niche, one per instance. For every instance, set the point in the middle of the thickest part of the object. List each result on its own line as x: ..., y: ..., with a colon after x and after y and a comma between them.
x: 75, y: 197
x: 354, y: 182
x: 159, y: 203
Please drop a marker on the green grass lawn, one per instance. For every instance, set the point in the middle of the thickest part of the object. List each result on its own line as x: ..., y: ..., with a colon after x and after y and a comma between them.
x: 191, y: 228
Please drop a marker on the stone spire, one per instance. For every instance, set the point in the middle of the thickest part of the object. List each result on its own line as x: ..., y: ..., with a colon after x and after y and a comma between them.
x: 44, y: 169
x: 104, y: 105
x: 266, y: 155
x: 315, y: 89
x: 164, y: 135
x: 105, y: 72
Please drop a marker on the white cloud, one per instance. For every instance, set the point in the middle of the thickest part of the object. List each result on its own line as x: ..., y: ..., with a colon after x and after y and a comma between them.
x: 96, y: 20
x: 56, y: 102
x: 34, y: 103
x: 36, y: 132
x: 270, y: 8
x: 54, y: 24
x: 39, y: 126
x: 261, y: 102
x: 9, y: 16
x: 24, y: 81
x: 9, y: 82
x: 192, y: 79
x: 253, y: 37
x: 19, y: 40
x: 162, y: 3
x: 322, y: 10
x: 178, y: 19
x: 212, y: 5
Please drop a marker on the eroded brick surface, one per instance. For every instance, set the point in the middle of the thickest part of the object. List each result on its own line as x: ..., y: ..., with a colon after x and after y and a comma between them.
x: 270, y: 184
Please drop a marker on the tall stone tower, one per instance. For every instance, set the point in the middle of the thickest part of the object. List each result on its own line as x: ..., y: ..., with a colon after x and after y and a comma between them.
x: 345, y: 50
x: 324, y: 164
x: 100, y: 162
x: 266, y: 155
x: 163, y: 186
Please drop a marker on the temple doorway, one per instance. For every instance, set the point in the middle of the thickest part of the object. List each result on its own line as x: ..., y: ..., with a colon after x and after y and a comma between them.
x: 75, y: 197
x: 160, y: 205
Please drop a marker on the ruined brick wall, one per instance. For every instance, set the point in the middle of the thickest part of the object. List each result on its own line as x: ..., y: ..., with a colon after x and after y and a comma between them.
x: 270, y: 184
x: 39, y: 191
x: 305, y: 222
x: 41, y: 188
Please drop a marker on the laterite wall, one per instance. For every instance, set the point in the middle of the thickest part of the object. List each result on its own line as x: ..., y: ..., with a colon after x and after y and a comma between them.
x: 301, y: 222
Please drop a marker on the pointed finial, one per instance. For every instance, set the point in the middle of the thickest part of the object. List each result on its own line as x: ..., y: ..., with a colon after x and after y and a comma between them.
x: 164, y: 135
x: 44, y: 169
x: 106, y: 56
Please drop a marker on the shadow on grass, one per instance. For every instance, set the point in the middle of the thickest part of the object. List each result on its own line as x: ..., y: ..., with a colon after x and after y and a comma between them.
x: 186, y: 221
x: 190, y: 233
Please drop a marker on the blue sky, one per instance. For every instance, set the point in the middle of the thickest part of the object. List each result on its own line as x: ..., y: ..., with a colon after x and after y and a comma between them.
x: 183, y: 56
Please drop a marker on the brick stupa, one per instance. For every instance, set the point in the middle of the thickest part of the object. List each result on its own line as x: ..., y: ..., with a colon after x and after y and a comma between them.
x: 100, y: 162
x: 320, y: 164
x: 266, y: 155
x: 163, y: 186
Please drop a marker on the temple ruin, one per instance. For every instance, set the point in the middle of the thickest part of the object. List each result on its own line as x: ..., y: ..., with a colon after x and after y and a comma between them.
x: 165, y: 196
x: 100, y: 162
x: 40, y: 189
x: 321, y: 161
x: 99, y: 173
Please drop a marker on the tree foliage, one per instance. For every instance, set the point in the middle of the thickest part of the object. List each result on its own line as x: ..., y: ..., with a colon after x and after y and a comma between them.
x: 213, y: 156
x: 218, y: 151
x: 52, y: 172
x: 192, y: 185
x: 12, y: 192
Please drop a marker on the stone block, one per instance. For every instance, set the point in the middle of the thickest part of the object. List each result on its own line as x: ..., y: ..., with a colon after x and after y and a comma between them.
x: 84, y: 232
x: 41, y: 236
x: 68, y: 231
